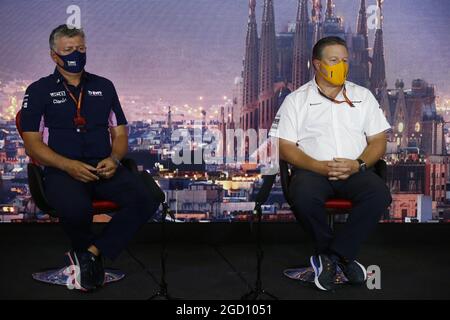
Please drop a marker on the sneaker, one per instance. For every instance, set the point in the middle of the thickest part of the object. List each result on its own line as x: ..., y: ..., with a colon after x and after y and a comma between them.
x: 324, y: 272
x: 91, y: 274
x: 354, y: 272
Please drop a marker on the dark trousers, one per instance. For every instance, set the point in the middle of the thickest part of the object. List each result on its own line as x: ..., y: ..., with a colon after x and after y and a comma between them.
x: 72, y: 200
x: 370, y: 198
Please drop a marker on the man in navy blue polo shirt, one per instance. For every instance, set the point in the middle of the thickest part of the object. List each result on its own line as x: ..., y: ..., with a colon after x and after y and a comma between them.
x: 73, y: 124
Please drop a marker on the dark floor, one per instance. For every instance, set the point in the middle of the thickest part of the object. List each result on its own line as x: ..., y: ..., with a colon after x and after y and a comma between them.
x: 414, y: 262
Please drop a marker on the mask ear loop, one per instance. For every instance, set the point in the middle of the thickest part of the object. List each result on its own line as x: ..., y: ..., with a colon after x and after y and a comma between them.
x: 54, y: 52
x: 322, y: 74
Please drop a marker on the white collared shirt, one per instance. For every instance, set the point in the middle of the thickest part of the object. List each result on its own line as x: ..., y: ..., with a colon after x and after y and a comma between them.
x: 325, y: 130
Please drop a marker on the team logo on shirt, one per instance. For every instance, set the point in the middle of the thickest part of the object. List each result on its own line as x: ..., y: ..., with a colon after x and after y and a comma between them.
x: 95, y: 93
x: 56, y: 101
x: 58, y: 94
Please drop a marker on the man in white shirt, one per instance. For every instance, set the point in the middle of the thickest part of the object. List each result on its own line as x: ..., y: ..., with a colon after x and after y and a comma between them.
x: 333, y: 131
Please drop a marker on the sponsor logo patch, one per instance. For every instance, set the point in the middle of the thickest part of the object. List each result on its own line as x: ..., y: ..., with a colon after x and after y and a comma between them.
x: 95, y: 93
x: 56, y: 101
x: 58, y: 94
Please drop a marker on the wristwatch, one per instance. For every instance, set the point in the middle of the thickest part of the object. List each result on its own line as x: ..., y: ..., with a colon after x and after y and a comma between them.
x: 362, y: 165
x: 117, y: 161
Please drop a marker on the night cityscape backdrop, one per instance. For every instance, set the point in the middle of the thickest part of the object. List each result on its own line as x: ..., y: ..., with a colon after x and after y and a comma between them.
x: 173, y: 62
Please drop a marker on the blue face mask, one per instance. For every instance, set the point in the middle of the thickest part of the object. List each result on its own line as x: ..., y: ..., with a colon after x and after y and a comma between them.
x: 74, y: 62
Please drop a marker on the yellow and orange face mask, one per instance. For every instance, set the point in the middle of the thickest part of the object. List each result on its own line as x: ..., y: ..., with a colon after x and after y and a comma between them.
x: 335, y: 74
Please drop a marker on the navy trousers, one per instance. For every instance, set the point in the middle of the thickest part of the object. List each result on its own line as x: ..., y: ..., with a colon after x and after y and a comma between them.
x: 370, y: 198
x: 72, y: 200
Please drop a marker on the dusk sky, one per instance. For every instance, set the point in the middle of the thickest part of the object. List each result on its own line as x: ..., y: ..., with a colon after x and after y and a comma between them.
x: 180, y: 50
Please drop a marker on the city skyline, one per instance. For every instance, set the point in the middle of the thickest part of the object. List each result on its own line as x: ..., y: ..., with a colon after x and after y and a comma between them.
x: 174, y: 63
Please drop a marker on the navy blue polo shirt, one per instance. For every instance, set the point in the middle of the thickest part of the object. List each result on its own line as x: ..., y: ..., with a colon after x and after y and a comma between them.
x: 48, y: 108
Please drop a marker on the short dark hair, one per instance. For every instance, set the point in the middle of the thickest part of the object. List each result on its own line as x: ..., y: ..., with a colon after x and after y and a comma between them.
x: 64, y: 31
x: 324, y: 42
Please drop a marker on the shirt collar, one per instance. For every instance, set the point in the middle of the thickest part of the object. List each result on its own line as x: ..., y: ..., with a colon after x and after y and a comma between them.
x: 316, y: 87
x: 59, y: 78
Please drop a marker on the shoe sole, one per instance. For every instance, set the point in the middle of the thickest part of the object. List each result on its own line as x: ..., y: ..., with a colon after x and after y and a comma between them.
x: 363, y: 270
x: 316, y: 273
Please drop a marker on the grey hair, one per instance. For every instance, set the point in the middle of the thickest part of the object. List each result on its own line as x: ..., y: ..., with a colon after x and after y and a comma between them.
x: 64, y: 31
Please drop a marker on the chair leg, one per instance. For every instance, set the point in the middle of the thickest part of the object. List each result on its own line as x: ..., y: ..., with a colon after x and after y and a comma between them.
x: 331, y: 220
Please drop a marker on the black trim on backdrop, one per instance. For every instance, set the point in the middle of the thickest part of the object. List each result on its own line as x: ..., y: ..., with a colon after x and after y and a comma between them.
x: 279, y: 309
x: 238, y: 232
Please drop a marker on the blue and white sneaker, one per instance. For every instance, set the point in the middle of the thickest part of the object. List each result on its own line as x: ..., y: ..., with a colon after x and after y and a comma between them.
x: 354, y: 272
x: 324, y: 272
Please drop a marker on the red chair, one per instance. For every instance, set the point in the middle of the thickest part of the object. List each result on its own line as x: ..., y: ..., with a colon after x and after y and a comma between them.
x: 334, y: 207
x: 36, y: 185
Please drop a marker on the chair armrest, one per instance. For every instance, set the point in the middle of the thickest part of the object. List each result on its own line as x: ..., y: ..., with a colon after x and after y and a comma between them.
x: 285, y: 179
x: 36, y: 184
x: 130, y: 164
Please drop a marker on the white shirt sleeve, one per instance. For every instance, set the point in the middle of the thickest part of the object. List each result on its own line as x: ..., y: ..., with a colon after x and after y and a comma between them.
x: 375, y: 121
x: 284, y: 125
